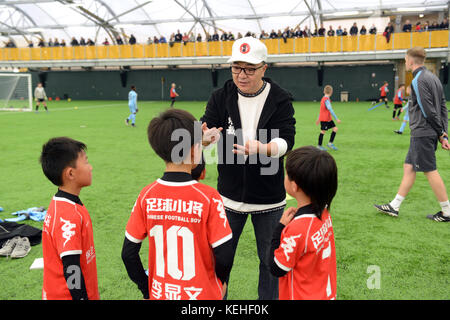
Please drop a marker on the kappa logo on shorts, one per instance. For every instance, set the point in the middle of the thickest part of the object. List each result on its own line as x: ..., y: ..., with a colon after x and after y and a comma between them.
x: 67, y: 230
x: 244, y: 48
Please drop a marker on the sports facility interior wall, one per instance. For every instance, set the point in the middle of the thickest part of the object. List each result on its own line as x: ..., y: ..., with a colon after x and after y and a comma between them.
x: 361, y: 81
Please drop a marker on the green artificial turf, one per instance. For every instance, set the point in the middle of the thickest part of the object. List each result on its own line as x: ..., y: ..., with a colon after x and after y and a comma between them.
x: 410, y: 253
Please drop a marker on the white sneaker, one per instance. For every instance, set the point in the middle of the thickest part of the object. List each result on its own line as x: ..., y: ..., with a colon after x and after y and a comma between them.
x: 9, y: 246
x: 22, y: 248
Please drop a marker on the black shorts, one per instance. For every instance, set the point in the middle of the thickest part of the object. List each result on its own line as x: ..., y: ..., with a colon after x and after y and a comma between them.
x: 421, y: 154
x: 397, y: 106
x: 382, y: 98
x: 41, y: 100
x: 325, y: 125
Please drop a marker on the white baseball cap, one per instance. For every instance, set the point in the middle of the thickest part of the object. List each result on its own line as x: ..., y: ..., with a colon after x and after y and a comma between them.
x: 248, y: 49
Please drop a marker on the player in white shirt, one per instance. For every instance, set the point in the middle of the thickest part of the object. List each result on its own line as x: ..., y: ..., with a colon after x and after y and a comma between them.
x: 40, y: 97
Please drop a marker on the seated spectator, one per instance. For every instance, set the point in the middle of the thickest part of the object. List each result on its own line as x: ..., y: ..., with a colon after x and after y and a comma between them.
x: 74, y: 42
x: 162, y: 39
x: 330, y: 32
x: 215, y: 36
x: 155, y: 40
x: 56, y: 42
x: 191, y: 37
x: 199, y: 38
x: 344, y: 33
x: 248, y: 34
x: 178, y: 36
x: 407, y: 26
x: 119, y: 40
x: 106, y: 42
x: 373, y: 29
x: 434, y: 26
x: 30, y: 44
x: 363, y: 30
x: 90, y: 42
x: 354, y: 30
x: 418, y: 27
x: 239, y: 35
x: 339, y: 31
x: 444, y: 24
x: 298, y: 32
x: 185, y: 38
x: 50, y: 42
x: 321, y: 31
x: 63, y: 43
x: 230, y: 36
x: 263, y: 35
x: 224, y: 36
x: 273, y: 34
x: 82, y: 42
x: 306, y: 32
x: 132, y: 39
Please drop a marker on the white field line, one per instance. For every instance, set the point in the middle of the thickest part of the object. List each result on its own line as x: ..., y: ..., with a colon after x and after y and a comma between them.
x: 124, y: 104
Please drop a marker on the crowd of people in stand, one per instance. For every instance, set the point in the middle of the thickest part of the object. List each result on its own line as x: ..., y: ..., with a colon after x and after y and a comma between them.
x: 287, y: 33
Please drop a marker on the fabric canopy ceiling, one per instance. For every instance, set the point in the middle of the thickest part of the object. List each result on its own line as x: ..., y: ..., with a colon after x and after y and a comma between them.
x: 100, y: 19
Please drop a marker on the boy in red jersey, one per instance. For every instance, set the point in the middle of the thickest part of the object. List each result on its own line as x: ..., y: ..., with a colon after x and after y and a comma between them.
x: 70, y: 267
x: 325, y: 119
x: 398, y: 102
x: 190, y: 251
x: 303, y: 253
x: 383, y: 94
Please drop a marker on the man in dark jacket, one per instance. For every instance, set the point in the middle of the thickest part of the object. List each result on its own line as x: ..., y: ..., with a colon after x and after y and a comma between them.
x: 428, y: 120
x: 252, y: 119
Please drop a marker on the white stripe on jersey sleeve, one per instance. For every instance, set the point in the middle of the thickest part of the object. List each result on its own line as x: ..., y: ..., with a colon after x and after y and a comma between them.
x: 282, y: 267
x: 131, y: 238
x: 70, y: 253
x: 221, y: 241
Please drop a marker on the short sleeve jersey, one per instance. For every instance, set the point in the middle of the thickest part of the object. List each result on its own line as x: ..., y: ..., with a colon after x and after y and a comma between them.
x: 384, y: 90
x: 184, y: 222
x: 132, y: 98
x: 307, y: 254
x: 67, y: 230
x: 325, y: 114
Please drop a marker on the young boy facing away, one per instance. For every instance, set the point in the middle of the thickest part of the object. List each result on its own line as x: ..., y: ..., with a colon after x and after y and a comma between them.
x: 70, y: 267
x: 190, y: 253
x: 325, y: 119
x: 303, y: 254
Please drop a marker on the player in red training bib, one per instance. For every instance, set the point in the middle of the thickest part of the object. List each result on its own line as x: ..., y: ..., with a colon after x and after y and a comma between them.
x: 70, y: 267
x: 398, y: 102
x: 190, y: 253
x: 383, y: 94
x: 303, y: 252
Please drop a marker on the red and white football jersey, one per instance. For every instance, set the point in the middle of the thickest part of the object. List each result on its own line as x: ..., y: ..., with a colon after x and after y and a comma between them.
x: 308, y: 254
x: 67, y: 230
x: 184, y: 222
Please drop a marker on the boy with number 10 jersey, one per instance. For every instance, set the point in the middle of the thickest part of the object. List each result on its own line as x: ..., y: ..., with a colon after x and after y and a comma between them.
x: 190, y: 253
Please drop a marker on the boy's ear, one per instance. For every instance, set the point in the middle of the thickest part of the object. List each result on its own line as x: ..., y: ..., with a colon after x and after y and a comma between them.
x: 294, y: 186
x: 67, y: 174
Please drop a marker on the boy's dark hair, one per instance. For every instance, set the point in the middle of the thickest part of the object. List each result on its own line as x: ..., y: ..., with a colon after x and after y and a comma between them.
x: 161, y: 128
x: 58, y: 154
x: 315, y: 172
x: 197, y: 171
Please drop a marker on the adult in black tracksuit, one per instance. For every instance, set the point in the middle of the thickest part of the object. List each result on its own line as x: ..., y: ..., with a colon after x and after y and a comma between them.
x: 428, y: 120
x: 256, y: 120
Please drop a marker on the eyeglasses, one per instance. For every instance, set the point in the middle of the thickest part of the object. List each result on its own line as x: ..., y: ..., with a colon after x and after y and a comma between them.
x: 247, y: 71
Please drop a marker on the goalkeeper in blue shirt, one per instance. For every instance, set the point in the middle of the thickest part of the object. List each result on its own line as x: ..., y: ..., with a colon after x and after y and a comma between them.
x: 132, y: 104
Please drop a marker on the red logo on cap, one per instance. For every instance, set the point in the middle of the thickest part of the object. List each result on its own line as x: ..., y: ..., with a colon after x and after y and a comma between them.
x: 244, y: 48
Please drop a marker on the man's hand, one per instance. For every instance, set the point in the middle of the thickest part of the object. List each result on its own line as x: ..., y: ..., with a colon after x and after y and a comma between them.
x: 444, y: 141
x: 251, y: 147
x: 210, y: 135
